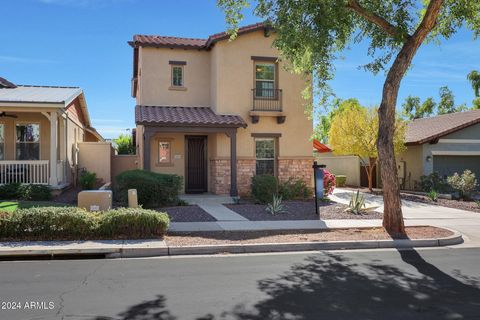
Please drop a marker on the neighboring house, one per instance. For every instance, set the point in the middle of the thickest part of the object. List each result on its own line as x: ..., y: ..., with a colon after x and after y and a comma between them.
x: 445, y: 144
x: 40, y: 128
x: 203, y: 102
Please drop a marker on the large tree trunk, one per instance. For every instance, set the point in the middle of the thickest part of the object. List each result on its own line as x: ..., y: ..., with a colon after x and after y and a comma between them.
x: 392, y: 217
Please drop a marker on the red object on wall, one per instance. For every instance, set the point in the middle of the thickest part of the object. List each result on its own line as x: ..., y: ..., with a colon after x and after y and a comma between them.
x: 320, y: 147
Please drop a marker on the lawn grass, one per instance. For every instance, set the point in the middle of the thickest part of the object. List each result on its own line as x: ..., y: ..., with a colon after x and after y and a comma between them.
x: 10, y: 206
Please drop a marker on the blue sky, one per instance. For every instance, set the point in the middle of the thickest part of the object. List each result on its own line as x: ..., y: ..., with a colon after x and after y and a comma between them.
x: 84, y: 43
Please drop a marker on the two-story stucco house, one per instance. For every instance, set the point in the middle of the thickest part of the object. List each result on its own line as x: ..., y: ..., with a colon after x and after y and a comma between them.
x: 218, y: 112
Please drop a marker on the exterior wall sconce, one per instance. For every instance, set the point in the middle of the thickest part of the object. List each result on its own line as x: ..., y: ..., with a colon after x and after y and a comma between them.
x: 429, y: 158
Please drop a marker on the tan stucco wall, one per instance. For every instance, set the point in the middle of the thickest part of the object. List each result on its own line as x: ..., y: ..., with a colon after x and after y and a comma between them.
x: 123, y: 162
x: 96, y: 157
x: 342, y: 165
x: 413, y: 165
x: 223, y: 78
x: 155, y: 78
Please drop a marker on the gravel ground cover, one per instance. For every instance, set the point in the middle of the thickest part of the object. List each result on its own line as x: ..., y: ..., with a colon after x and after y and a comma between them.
x: 456, y: 204
x: 275, y: 236
x: 191, y: 213
x: 299, y: 210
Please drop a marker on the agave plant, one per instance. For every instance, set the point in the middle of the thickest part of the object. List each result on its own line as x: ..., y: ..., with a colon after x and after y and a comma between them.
x: 276, y: 206
x: 357, y: 203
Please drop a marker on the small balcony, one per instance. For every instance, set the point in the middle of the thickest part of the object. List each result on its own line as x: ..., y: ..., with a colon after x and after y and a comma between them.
x: 267, y: 103
x: 267, y: 100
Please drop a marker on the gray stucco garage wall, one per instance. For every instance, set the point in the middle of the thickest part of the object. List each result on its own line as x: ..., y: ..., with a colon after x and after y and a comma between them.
x: 465, y: 142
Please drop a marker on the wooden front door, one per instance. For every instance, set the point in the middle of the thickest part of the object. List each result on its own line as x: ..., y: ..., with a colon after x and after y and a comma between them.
x: 196, y: 164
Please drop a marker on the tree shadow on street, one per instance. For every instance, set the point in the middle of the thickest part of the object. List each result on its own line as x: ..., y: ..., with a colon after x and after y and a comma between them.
x: 148, y: 310
x: 332, y: 286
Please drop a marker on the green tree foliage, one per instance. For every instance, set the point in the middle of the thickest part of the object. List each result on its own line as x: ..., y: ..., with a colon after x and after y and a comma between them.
x: 125, y: 144
x: 311, y: 34
x: 474, y: 78
x: 354, y: 130
x: 413, y: 108
x: 322, y: 129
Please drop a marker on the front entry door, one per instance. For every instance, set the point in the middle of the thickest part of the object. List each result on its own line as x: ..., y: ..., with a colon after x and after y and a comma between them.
x: 196, y: 164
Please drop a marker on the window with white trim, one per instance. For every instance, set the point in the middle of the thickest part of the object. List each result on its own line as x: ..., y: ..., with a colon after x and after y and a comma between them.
x: 265, y: 156
x: 265, y: 80
x: 2, y: 141
x: 27, y: 141
x: 177, y: 76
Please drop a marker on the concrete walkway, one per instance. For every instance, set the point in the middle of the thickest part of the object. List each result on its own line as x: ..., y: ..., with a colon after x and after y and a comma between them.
x: 213, y: 205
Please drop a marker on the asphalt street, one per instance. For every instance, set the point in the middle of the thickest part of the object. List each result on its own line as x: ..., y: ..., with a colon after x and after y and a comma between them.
x: 388, y: 284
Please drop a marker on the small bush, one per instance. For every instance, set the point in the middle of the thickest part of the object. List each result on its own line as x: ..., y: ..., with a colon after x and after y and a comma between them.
x: 130, y: 222
x: 60, y: 223
x: 264, y: 187
x: 328, y: 182
x: 34, y: 192
x: 464, y: 184
x: 9, y: 191
x: 294, y: 189
x: 433, y: 195
x: 340, y: 180
x: 153, y: 189
x: 88, y: 180
x: 276, y: 206
x: 434, y: 181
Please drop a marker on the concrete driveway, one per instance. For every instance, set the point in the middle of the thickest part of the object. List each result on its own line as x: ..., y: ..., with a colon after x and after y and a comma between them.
x: 415, y: 213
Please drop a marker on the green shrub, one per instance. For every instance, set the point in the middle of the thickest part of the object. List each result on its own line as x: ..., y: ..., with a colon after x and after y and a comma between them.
x: 153, y: 189
x: 131, y: 222
x: 276, y: 206
x: 34, y: 192
x: 48, y: 223
x: 294, y: 189
x: 433, y: 195
x: 340, y: 180
x: 61, y: 223
x: 88, y: 180
x: 9, y: 191
x: 264, y: 187
x: 434, y: 181
x: 464, y: 184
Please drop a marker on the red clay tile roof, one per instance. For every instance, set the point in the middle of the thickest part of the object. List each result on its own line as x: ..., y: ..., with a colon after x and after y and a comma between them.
x: 188, y: 43
x: 424, y: 130
x: 185, y: 116
x: 4, y: 83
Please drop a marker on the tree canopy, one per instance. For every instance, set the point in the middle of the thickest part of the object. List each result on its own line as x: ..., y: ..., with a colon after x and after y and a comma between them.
x: 413, y: 108
x: 124, y: 144
x: 354, y: 130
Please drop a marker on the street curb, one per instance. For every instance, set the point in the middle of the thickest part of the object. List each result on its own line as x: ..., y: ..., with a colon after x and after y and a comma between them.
x: 165, y: 250
x: 456, y: 238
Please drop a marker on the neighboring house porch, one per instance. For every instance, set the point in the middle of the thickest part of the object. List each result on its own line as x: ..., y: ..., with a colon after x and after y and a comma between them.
x: 40, y: 128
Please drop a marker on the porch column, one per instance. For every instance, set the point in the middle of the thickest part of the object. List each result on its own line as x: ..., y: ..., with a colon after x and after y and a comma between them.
x: 146, y: 148
x: 233, y: 162
x: 53, y: 148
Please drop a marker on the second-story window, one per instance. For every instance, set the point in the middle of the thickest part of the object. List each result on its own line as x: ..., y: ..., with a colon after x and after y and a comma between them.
x: 177, y: 76
x: 265, y: 80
